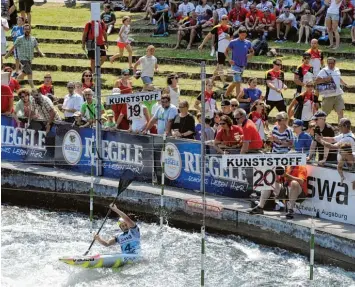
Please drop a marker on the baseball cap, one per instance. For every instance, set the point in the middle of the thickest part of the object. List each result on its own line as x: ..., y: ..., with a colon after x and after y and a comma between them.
x: 110, y: 113
x: 319, y: 114
x: 225, y: 103
x: 116, y: 91
x: 298, y: 123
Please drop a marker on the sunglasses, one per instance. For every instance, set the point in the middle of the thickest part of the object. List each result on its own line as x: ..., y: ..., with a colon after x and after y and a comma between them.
x: 182, y: 107
x: 87, y: 94
x: 88, y: 76
x: 309, y: 86
x: 279, y: 120
x: 224, y: 19
x: 70, y: 87
x: 306, y: 58
x: 234, y: 105
x: 307, y: 13
x: 278, y: 64
x: 48, y: 77
x: 222, y: 124
x: 125, y: 74
x: 164, y: 102
x: 260, y: 104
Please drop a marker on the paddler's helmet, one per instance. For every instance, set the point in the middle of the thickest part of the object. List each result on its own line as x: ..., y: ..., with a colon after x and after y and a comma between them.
x: 122, y: 224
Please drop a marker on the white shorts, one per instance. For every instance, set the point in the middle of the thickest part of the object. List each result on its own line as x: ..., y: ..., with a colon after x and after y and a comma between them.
x: 3, y: 49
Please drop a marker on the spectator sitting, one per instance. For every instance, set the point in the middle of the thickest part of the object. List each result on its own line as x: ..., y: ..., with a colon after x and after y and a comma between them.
x: 201, y: 9
x: 251, y: 19
x: 229, y: 136
x: 210, y: 100
x: 158, y: 10
x: 252, y: 141
x: 259, y: 117
x: 246, y: 4
x: 47, y: 89
x: 248, y: 96
x: 109, y: 18
x: 265, y: 4
x: 190, y: 31
x: 72, y: 103
x: 87, y: 80
x: 347, y: 13
x: 149, y: 65
x: 237, y: 15
x: 280, y: 5
x: 23, y: 106
x: 303, y: 140
x: 173, y: 89
x: 298, y: 8
x: 319, y: 11
x: 266, y: 23
x: 12, y: 82
x: 219, y: 12
x: 307, y: 23
x: 295, y: 179
x: 110, y: 124
x: 184, y: 123
x: 288, y: 21
x: 282, y: 135
x: 80, y: 121
x: 164, y: 116
x: 185, y: 8
x: 346, y: 159
x: 305, y: 105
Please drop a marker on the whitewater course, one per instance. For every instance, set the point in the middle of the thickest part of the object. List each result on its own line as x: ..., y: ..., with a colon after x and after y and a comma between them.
x: 47, y: 188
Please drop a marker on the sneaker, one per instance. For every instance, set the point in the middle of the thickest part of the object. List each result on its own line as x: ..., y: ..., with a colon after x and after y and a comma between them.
x: 256, y: 210
x: 277, y: 40
x: 289, y: 214
x: 212, y: 52
x: 284, y: 40
x: 225, y: 86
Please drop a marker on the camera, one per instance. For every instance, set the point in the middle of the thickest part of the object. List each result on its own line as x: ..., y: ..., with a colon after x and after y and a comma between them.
x: 280, y: 170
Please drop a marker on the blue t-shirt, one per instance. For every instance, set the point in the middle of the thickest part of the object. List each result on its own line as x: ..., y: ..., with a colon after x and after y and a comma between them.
x: 253, y: 94
x: 198, y: 132
x: 303, y: 143
x: 164, y: 116
x: 240, y: 51
x: 159, y: 7
x: 16, y: 32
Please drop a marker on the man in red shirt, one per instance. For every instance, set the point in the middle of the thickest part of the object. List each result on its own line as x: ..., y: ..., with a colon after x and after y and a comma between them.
x: 7, y: 97
x: 12, y: 82
x: 252, y: 17
x: 347, y: 13
x: 266, y: 23
x: 228, y: 136
x: 88, y: 42
x: 251, y: 138
x: 237, y: 15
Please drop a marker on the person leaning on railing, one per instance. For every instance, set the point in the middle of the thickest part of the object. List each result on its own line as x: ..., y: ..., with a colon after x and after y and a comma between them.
x: 229, y: 136
x: 346, y: 159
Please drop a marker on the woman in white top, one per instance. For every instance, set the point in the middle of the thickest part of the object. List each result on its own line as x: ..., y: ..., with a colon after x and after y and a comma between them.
x: 332, y: 21
x: 201, y: 9
x: 173, y: 89
x: 123, y: 42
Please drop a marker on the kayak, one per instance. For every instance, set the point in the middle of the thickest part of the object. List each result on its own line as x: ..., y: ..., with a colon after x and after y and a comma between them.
x: 101, y: 260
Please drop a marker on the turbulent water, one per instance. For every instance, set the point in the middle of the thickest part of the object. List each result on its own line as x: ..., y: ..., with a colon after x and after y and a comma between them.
x: 32, y: 241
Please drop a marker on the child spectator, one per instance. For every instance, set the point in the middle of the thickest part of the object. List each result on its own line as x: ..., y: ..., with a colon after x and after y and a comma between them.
x: 149, y: 65
x: 109, y: 18
x: 110, y: 123
x: 16, y: 32
x: 123, y: 42
x: 198, y: 127
x: 303, y: 140
x: 12, y: 82
x: 346, y: 159
x: 210, y: 100
x: 259, y: 116
x: 80, y: 121
x: 47, y: 89
x: 248, y: 96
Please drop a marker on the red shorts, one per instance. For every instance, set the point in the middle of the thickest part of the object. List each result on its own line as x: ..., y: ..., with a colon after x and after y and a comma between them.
x: 121, y: 45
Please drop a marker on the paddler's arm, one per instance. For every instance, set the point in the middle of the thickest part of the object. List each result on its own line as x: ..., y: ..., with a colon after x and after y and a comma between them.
x: 106, y: 243
x: 125, y: 217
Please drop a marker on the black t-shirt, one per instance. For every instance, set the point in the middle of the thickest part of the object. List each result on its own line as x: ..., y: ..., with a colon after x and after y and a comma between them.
x: 108, y: 17
x: 230, y: 115
x: 328, y: 131
x: 184, y: 125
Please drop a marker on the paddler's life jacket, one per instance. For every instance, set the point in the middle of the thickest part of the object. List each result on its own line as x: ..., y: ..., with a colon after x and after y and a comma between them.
x: 130, y: 241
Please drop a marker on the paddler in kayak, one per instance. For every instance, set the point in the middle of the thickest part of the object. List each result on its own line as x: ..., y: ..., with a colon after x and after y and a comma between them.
x: 129, y: 240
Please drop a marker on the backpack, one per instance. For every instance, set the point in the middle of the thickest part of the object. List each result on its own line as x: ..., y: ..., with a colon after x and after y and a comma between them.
x: 162, y: 27
x: 260, y: 47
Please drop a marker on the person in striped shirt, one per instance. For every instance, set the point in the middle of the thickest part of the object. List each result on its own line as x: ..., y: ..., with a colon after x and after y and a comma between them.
x: 282, y: 135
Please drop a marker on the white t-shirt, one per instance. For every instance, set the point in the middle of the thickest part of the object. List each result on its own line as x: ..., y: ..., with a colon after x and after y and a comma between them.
x: 201, y: 10
x: 220, y: 12
x: 174, y: 95
x: 186, y: 8
x: 148, y: 65
x: 72, y: 102
x: 137, y: 117
x: 124, y: 36
x: 164, y: 116
x: 334, y: 7
x: 3, y: 33
x: 290, y: 16
x: 346, y: 138
x: 326, y: 72
x: 267, y: 4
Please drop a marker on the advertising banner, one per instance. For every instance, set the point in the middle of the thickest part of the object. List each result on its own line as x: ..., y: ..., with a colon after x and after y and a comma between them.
x: 183, y: 169
x: 120, y: 151
x: 135, y: 98
x: 330, y: 199
x: 32, y: 144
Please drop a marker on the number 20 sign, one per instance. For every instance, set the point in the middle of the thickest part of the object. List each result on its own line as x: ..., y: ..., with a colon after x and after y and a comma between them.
x: 264, y: 178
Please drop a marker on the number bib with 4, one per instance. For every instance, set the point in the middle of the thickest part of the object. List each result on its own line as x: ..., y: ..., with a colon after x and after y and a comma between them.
x: 130, y: 241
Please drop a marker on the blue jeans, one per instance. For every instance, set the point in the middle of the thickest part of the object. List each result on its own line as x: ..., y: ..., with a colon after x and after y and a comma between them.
x: 237, y: 77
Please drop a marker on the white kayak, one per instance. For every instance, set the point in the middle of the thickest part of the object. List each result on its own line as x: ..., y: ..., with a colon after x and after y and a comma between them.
x: 101, y: 260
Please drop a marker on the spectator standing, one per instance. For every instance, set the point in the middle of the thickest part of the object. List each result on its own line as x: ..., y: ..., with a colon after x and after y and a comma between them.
x: 42, y: 108
x: 109, y: 18
x: 25, y: 9
x: 252, y: 142
x: 210, y: 101
x: 346, y: 158
x: 318, y: 9
x: 288, y: 21
x: 120, y: 110
x: 88, y: 42
x: 332, y: 22
x: 184, y: 123
x: 227, y: 110
x: 316, y: 57
x: 88, y: 108
x: 23, y: 106
x: 7, y: 97
x: 164, y: 116
x: 304, y: 105
x: 329, y: 81
x: 237, y: 15
x: 259, y: 117
x: 17, y: 31
x: 12, y: 14
x: 79, y: 121
x: 347, y: 13
x: 303, y: 140
x: 299, y: 8
x: 248, y: 96
x: 4, y: 28
x: 149, y: 64
x: 266, y: 23
x: 274, y: 86
x: 216, y: 120
x: 87, y: 80
x: 138, y: 122
x: 72, y: 103
x: 25, y: 46
x: 47, y: 89
x: 12, y: 82
x: 282, y: 135
x: 79, y: 89
x: 229, y: 136
x: 241, y: 51
x: 185, y: 8
x: 304, y: 73
x: 221, y: 34
x: 110, y: 124
x: 123, y: 42
x: 307, y: 22
x: 173, y: 89
x: 190, y: 31
x: 322, y: 129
